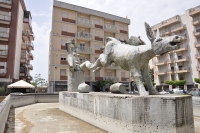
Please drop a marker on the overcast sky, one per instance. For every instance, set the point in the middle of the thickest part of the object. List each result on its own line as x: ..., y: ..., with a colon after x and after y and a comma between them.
x: 138, y: 11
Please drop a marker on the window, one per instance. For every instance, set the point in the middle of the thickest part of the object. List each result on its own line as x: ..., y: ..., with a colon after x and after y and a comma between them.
x: 63, y: 57
x: 97, y: 47
x: 179, y: 57
x: 96, y: 21
x: 63, y: 42
x: 64, y: 14
x: 121, y: 27
x: 64, y: 28
x: 97, y: 33
x: 97, y: 74
x: 122, y: 74
x: 62, y: 72
x: 180, y: 67
x: 82, y: 46
x: 172, y: 68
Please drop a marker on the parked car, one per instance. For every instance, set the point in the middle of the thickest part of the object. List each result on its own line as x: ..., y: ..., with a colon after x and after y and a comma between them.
x: 194, y: 92
x: 178, y: 91
x: 163, y: 92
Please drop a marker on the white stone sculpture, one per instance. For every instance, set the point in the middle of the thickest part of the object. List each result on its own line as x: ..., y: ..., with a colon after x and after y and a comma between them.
x: 135, y: 58
x: 75, y: 74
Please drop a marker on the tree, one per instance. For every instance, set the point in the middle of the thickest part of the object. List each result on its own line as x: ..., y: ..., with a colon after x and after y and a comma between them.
x: 197, y: 80
x: 102, y: 83
x: 38, y: 81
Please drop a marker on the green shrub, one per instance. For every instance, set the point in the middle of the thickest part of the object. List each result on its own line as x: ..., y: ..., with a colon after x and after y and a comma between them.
x: 176, y: 82
x: 197, y: 80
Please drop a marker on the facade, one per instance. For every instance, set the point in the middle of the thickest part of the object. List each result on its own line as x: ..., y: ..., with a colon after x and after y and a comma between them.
x: 182, y: 64
x: 16, y: 36
x: 89, y: 28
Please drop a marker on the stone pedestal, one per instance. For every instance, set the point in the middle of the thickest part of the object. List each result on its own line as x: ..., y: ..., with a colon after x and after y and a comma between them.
x: 123, y: 113
x: 74, y: 79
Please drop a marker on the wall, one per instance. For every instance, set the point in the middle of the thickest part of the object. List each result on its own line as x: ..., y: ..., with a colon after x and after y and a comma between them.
x: 131, y: 113
x: 22, y: 100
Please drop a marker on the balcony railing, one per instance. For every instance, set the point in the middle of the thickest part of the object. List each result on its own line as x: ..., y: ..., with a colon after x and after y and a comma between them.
x: 194, y: 10
x: 182, y: 27
x: 4, y: 34
x: 23, y: 46
x: 6, y: 1
x: 31, y: 55
x: 3, y: 70
x: 28, y: 18
x: 4, y: 17
x: 30, y: 44
x: 166, y: 22
x: 83, y: 49
x: 111, y: 78
x: 3, y: 53
x: 30, y: 66
x: 196, y: 33
x: 84, y: 35
x: 111, y: 27
x: 85, y: 22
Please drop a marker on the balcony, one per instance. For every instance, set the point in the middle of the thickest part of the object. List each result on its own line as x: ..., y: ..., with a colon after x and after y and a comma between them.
x: 5, y: 19
x: 86, y: 50
x: 163, y: 62
x: 183, y: 36
x: 29, y: 77
x: 196, y: 22
x: 110, y: 28
x: 180, y: 59
x: 30, y: 46
x: 197, y: 44
x: 161, y: 72
x: 183, y: 70
x: 167, y: 22
x: 3, y: 72
x: 182, y: 48
x: 4, y: 35
x: 24, y: 61
x: 23, y: 47
x: 28, y: 20
x: 28, y: 36
x: 31, y: 56
x: 84, y: 22
x: 182, y: 27
x: 194, y: 11
x: 84, y: 36
x: 114, y: 78
x: 30, y: 67
x: 3, y: 53
x: 6, y: 3
x: 196, y: 33
x: 88, y: 78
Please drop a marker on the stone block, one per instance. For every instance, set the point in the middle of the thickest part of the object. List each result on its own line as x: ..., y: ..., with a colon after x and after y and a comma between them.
x: 118, y: 88
x: 123, y: 113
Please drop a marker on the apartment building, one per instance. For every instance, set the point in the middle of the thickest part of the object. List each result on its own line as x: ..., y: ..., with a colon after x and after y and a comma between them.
x: 16, y: 36
x: 89, y: 28
x: 181, y: 64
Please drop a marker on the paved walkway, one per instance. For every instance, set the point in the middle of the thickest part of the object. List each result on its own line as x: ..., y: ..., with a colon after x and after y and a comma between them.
x: 46, y: 118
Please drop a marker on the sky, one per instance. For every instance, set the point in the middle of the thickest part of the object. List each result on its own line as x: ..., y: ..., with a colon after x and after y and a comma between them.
x: 138, y: 11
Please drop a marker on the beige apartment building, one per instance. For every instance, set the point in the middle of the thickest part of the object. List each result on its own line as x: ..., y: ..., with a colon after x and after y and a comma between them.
x: 89, y: 28
x: 16, y: 36
x: 182, y: 64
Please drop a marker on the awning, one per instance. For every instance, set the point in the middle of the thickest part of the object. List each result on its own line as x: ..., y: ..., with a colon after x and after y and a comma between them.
x: 21, y: 84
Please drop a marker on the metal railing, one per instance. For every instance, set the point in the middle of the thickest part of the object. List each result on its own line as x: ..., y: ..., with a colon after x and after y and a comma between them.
x: 83, y: 49
x: 111, y: 78
x: 3, y: 52
x: 83, y: 34
x: 23, y: 46
x: 109, y: 26
x: 85, y: 21
x: 27, y: 33
x: 3, y: 70
x: 30, y: 44
x: 6, y: 1
x: 30, y: 66
x: 31, y: 55
x: 5, y: 17
x: 4, y: 34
